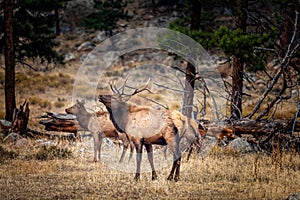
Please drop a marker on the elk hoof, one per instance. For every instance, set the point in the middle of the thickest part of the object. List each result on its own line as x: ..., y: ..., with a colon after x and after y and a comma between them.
x: 170, y: 177
x: 137, y: 177
x: 154, y: 177
x: 176, y: 178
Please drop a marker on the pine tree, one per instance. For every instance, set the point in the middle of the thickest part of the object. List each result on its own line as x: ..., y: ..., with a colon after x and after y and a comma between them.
x: 28, y: 34
x: 106, y: 16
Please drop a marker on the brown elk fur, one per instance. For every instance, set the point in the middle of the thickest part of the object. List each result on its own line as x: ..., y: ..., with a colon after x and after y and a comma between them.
x: 146, y: 126
x: 100, y: 126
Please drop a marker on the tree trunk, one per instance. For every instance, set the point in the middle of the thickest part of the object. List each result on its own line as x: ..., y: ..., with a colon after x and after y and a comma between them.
x: 237, y: 88
x: 57, y: 21
x: 189, y: 90
x: 288, y: 26
x: 190, y: 69
x: 236, y: 109
x: 9, y: 53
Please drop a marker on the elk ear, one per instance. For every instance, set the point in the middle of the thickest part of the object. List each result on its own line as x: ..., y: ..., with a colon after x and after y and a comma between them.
x: 82, y: 101
x: 77, y: 101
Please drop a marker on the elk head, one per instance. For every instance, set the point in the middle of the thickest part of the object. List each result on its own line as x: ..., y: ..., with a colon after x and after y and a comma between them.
x: 117, y: 103
x: 76, y: 108
x: 119, y: 98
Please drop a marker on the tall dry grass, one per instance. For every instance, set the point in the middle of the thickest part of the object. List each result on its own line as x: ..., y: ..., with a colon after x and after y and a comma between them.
x: 220, y: 175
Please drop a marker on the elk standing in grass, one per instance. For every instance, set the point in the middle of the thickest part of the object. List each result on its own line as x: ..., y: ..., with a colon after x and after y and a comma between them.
x: 100, y: 126
x: 146, y: 126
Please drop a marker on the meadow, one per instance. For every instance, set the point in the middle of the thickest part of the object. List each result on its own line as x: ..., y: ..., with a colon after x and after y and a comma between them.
x: 65, y: 172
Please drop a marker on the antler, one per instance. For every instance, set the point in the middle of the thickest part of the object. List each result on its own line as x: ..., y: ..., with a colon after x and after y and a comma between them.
x: 116, y: 90
x: 141, y: 89
x: 120, y: 91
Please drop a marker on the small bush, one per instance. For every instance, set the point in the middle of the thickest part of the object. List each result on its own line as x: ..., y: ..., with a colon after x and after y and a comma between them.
x: 40, y: 102
x: 59, y: 104
x: 52, y: 152
x: 6, y: 154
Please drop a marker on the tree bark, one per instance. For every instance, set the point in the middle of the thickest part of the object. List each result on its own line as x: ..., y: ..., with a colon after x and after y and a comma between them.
x: 287, y: 27
x: 9, y: 54
x: 236, y: 109
x: 57, y: 20
x: 189, y: 90
x: 190, y: 69
x: 237, y: 88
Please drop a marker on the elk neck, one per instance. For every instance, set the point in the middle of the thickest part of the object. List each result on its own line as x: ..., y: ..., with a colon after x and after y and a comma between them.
x: 83, y: 117
x: 118, y: 115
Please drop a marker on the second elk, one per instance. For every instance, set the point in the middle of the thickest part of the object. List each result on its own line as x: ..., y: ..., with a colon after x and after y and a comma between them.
x: 100, y: 126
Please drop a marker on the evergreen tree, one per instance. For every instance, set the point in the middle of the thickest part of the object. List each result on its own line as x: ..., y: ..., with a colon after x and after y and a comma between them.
x: 106, y: 16
x: 28, y: 34
x: 236, y: 42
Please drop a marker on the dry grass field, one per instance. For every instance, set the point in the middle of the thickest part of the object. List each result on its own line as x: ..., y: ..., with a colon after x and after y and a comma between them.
x: 35, y: 172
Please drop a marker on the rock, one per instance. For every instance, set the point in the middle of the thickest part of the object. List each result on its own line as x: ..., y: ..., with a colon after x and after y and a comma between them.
x: 4, y: 126
x: 142, y: 58
x: 148, y: 17
x: 169, y: 61
x: 21, y: 142
x: 86, y: 46
x: 12, y: 137
x: 101, y: 36
x: 45, y: 142
x: 208, y: 144
x: 111, y: 56
x: 131, y: 13
x: 69, y: 57
x: 241, y: 145
x: 175, y: 14
x: 294, y: 196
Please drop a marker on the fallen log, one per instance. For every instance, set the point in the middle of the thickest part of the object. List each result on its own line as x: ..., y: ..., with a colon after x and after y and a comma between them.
x: 60, y: 122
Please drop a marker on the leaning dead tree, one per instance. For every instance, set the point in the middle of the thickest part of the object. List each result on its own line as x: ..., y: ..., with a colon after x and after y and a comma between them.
x: 288, y: 73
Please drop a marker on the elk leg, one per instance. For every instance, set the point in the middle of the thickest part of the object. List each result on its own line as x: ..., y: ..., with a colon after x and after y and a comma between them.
x: 178, y: 162
x: 150, y: 158
x: 131, y: 150
x: 138, y: 160
x: 99, y: 147
x: 190, y: 153
x: 125, y: 147
x: 170, y: 177
x: 96, y: 146
x: 174, y: 147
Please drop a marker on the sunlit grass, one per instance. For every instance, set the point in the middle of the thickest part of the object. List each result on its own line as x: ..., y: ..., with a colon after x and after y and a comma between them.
x: 217, y: 176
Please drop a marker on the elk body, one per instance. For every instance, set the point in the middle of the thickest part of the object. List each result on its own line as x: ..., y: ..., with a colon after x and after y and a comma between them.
x: 100, y: 126
x: 146, y: 126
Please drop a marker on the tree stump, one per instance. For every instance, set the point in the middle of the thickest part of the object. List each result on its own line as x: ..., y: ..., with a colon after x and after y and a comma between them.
x: 20, y: 119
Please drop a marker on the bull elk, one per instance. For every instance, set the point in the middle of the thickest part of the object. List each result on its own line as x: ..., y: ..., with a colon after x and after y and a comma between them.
x: 146, y: 126
x: 100, y: 126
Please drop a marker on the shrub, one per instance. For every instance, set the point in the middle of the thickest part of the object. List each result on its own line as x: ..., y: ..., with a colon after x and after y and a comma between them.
x: 52, y: 152
x: 6, y: 154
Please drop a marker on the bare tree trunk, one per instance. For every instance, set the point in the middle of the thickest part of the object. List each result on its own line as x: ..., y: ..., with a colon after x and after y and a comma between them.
x: 288, y: 26
x: 237, y: 88
x: 236, y: 109
x: 190, y: 69
x: 10, y: 101
x: 57, y: 21
x: 189, y: 90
